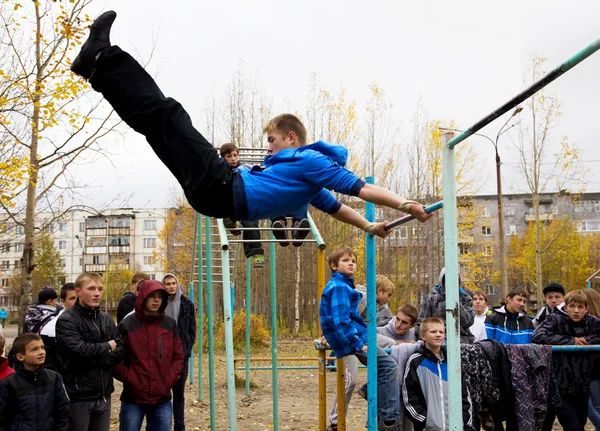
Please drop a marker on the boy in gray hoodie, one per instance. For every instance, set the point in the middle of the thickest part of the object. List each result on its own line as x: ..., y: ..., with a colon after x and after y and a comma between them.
x: 182, y: 310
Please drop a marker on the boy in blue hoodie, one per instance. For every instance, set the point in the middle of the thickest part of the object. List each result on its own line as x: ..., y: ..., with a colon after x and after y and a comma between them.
x: 346, y: 333
x: 295, y: 174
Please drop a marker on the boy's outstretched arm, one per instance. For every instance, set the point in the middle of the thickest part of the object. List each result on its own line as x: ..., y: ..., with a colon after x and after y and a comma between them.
x: 350, y: 216
x: 380, y: 196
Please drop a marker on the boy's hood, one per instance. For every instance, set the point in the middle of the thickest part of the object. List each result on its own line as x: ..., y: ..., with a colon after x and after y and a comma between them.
x: 503, y: 310
x: 168, y: 274
x: 146, y: 288
x: 337, y: 153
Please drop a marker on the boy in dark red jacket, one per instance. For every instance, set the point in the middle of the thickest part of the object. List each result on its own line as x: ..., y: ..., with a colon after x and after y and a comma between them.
x: 153, y: 361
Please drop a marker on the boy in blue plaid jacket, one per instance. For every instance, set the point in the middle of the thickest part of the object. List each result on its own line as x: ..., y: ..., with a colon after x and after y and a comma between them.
x: 346, y: 333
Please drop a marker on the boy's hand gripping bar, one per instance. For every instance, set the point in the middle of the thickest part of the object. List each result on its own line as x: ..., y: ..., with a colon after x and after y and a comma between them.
x: 431, y: 208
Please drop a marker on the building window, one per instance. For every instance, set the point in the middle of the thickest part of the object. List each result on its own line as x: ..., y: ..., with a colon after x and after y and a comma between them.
x: 487, y: 250
x: 81, y: 226
x: 589, y: 226
x: 511, y: 230
x: 486, y: 212
x: 19, y: 230
x: 149, y: 242
x: 17, y: 264
x: 63, y: 262
x: 19, y: 247
x: 463, y: 249
x: 81, y: 261
x: 6, y: 265
x: 62, y: 245
x: 488, y: 289
x: 510, y: 211
x: 486, y: 230
x: 5, y: 248
x: 62, y: 227
x: 4, y: 282
x: 403, y: 232
x: 149, y: 224
x: 152, y: 276
x: 149, y: 260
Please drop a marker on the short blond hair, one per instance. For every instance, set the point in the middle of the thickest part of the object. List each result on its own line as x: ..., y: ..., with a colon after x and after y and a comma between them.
x: 425, y: 324
x: 385, y: 284
x: 286, y: 123
x: 85, y: 276
x: 576, y: 297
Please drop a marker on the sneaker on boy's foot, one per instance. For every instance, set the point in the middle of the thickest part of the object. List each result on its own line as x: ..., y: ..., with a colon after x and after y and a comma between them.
x: 258, y: 260
x: 332, y: 427
x: 389, y: 426
x: 362, y: 391
x: 98, y: 40
x: 231, y: 226
x: 300, y: 234
x: 280, y: 234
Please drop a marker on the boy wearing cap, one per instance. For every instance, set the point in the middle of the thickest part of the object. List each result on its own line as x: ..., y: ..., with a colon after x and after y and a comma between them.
x: 42, y: 312
x: 554, y: 295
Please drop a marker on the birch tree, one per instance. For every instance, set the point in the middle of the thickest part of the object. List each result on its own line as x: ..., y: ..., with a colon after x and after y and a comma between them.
x: 49, y: 115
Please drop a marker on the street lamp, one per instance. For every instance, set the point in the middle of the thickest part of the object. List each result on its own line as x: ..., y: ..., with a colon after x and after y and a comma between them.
x: 501, y: 233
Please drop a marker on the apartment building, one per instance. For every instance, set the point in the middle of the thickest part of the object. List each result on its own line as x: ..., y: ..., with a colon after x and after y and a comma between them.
x: 123, y: 238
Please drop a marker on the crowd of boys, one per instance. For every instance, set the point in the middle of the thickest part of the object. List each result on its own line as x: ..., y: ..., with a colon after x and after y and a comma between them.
x: 564, y: 320
x: 62, y: 376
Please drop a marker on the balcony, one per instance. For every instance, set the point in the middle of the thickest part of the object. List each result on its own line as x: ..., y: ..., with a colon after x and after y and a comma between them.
x: 543, y: 217
x: 465, y: 239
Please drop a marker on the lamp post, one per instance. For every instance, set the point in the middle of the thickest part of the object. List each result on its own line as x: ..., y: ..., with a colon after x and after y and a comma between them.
x: 501, y: 233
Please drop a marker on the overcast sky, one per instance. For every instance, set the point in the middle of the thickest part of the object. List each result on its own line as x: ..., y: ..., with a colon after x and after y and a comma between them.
x: 464, y: 58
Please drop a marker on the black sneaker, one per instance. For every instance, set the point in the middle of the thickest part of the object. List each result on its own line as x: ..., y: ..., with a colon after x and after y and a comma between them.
x: 99, y: 39
x: 362, y: 391
x: 280, y: 234
x: 231, y: 226
x: 300, y: 234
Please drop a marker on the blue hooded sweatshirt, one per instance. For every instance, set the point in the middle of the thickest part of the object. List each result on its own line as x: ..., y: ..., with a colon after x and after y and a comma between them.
x: 342, y: 326
x: 293, y: 178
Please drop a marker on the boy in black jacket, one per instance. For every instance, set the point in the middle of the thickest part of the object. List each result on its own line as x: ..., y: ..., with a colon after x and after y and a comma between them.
x: 33, y: 397
x: 572, y: 370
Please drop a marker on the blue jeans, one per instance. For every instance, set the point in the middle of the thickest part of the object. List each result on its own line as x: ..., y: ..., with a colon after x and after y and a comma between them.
x: 158, y: 417
x: 388, y: 391
x: 594, y: 404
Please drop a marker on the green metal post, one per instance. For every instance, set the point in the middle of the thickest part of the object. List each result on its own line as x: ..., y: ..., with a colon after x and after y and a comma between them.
x: 228, y: 322
x: 211, y: 342
x: 200, y: 306
x: 273, y: 274
x: 248, y: 310
x: 371, y: 272
x: 452, y: 294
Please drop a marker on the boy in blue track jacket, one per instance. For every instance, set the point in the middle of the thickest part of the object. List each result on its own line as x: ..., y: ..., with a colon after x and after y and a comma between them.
x: 346, y: 333
x: 296, y: 174
x: 425, y: 389
x: 509, y: 324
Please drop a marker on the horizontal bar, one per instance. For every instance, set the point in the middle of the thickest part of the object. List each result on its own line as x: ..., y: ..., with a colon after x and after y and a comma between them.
x: 595, y: 348
x: 242, y: 241
x: 270, y: 228
x: 300, y: 367
x: 528, y: 92
x: 268, y: 358
x: 429, y: 209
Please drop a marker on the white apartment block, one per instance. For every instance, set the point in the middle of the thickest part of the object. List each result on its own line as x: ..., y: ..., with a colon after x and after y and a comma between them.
x: 125, y: 238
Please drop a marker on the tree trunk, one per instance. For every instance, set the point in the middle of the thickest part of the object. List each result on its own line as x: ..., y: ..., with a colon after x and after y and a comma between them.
x: 27, y: 261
